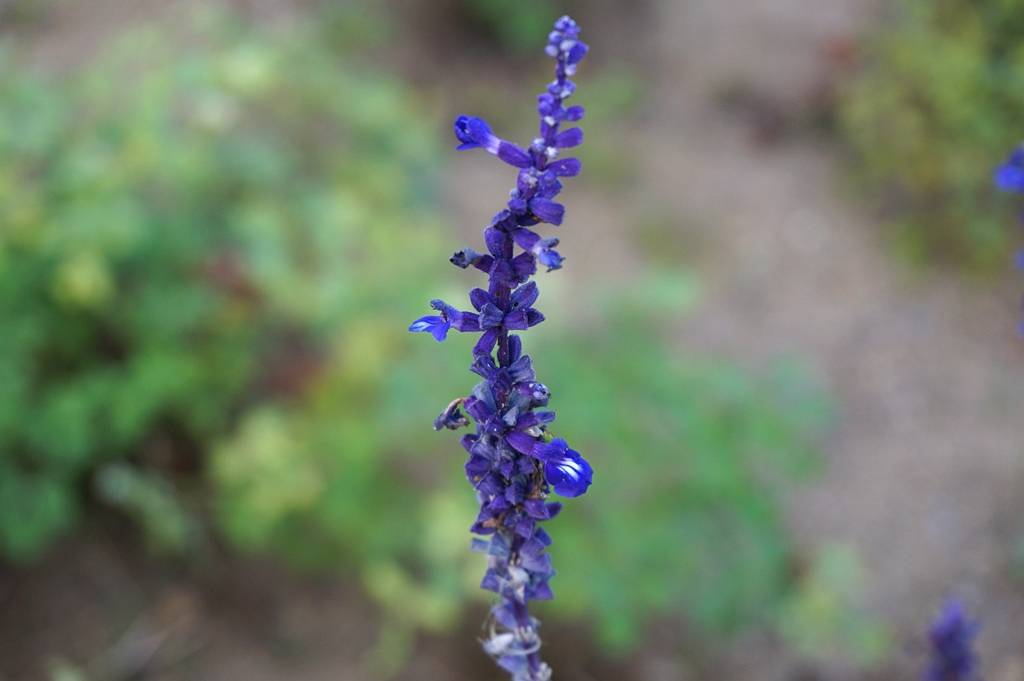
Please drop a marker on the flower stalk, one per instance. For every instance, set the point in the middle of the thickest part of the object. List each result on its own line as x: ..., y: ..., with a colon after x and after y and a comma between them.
x: 514, y: 462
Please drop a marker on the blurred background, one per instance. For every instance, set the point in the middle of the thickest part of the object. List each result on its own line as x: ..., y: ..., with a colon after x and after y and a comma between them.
x: 784, y: 336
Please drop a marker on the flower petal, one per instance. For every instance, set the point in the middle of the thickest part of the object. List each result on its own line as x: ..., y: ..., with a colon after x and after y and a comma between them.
x: 524, y: 265
x: 550, y: 451
x: 525, y: 238
x: 566, y: 167
x: 485, y: 345
x: 521, y: 442
x: 491, y: 316
x: 466, y: 322
x: 547, y: 210
x: 465, y: 258
x: 436, y: 326
x: 570, y: 476
x: 425, y: 323
x: 569, y: 138
x: 518, y: 320
x: 478, y: 298
x: 496, y: 240
x: 574, y: 113
x: 525, y: 296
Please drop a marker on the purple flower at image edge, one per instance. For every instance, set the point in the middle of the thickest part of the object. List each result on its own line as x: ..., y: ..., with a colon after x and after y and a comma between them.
x: 951, y: 639
x: 1009, y: 177
x: 514, y: 463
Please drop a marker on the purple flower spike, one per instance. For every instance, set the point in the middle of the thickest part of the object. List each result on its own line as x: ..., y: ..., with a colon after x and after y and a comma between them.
x: 952, y: 637
x: 513, y: 463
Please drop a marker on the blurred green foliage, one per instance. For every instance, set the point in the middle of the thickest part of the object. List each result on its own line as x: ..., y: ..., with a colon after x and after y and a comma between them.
x: 691, y: 457
x: 935, y: 108
x: 824, y: 618
x: 207, y: 262
x: 182, y: 233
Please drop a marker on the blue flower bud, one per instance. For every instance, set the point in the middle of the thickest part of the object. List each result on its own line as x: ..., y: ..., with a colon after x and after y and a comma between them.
x: 474, y: 132
x: 547, y: 210
x: 565, y: 24
x: 576, y: 53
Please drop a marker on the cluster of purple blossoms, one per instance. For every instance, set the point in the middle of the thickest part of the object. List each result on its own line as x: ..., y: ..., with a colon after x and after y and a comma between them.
x: 1009, y: 177
x: 951, y: 637
x: 514, y: 462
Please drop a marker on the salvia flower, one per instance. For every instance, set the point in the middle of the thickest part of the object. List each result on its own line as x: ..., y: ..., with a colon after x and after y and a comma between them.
x: 951, y: 638
x: 514, y: 463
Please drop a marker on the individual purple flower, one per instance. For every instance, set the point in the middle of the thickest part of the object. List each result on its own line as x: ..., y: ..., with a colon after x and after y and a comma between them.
x: 514, y: 463
x: 452, y: 417
x: 437, y: 325
x: 468, y: 257
x: 566, y: 167
x: 951, y: 638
